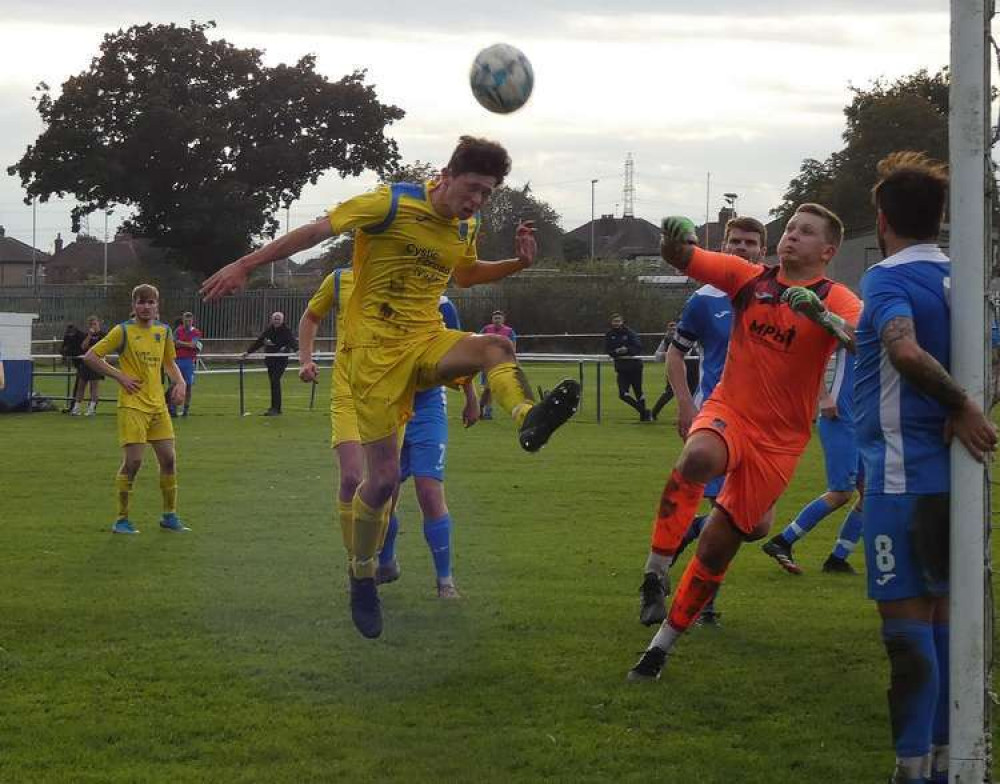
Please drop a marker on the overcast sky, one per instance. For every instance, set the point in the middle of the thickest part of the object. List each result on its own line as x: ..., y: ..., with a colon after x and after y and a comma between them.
x: 687, y: 90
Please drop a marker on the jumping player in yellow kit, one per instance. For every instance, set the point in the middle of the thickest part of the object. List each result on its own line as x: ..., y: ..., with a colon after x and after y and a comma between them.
x: 144, y: 346
x: 411, y: 239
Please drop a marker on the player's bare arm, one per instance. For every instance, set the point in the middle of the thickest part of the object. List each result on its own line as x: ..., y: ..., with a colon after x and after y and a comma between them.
x: 308, y: 329
x: 179, y: 388
x: 677, y: 376
x: 233, y: 277
x: 806, y: 302
x: 967, y: 420
x: 675, y: 247
x: 525, y: 246
x: 105, y: 368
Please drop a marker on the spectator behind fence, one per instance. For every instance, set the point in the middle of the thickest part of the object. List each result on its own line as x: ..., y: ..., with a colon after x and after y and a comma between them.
x: 71, y: 351
x: 187, y: 339
x: 276, y: 339
x: 86, y: 376
x: 623, y: 345
x: 497, y: 326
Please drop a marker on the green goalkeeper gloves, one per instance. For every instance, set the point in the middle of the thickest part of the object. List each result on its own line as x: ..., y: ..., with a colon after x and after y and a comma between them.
x: 806, y: 302
x: 677, y: 228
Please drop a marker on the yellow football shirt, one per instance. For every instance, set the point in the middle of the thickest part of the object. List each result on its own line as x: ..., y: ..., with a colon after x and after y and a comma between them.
x: 333, y: 292
x: 404, y: 255
x: 141, y: 352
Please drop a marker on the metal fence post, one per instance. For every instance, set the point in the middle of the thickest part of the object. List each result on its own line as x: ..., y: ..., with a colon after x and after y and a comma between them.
x: 599, y: 391
x: 242, y: 407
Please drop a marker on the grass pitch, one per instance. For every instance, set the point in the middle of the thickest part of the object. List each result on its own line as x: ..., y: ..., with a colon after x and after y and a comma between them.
x: 228, y: 654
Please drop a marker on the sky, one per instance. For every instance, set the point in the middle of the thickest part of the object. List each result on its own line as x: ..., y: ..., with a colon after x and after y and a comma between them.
x: 688, y: 89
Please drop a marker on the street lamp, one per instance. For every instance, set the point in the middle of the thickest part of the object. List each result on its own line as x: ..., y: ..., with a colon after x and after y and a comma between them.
x: 592, y: 216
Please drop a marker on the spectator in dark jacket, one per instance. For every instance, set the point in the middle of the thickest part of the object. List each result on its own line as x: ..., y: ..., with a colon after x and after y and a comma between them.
x: 623, y: 345
x: 71, y: 350
x: 276, y: 339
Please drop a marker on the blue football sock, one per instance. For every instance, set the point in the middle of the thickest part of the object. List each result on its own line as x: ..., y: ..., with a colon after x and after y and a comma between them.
x: 850, y: 532
x: 808, y: 518
x: 941, y: 635
x: 692, y: 533
x: 913, y: 690
x: 388, y: 552
x: 437, y: 533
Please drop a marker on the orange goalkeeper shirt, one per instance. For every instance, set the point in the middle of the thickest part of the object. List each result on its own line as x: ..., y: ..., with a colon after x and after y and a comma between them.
x: 777, y: 357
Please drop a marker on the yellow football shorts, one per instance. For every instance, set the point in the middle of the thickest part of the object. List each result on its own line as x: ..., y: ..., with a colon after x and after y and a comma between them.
x: 343, y: 417
x: 141, y: 427
x: 384, y: 379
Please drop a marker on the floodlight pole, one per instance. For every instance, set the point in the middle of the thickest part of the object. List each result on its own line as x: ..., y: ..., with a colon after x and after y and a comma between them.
x: 106, y: 213
x: 34, y: 244
x: 593, y: 183
x: 970, y: 247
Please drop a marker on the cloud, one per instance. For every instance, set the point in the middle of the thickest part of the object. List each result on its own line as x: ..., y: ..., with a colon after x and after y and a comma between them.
x: 518, y: 18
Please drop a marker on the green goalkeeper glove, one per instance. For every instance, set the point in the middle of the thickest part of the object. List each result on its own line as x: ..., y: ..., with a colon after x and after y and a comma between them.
x: 806, y: 302
x: 677, y: 228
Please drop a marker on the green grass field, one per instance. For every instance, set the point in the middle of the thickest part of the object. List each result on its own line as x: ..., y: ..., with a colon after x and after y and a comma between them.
x: 228, y: 655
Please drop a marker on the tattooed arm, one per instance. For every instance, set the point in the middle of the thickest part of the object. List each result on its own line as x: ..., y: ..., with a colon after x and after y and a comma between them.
x: 923, y: 371
x: 918, y: 367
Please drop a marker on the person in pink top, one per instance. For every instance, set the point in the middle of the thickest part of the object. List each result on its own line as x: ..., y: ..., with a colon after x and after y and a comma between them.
x: 497, y: 326
x: 187, y: 339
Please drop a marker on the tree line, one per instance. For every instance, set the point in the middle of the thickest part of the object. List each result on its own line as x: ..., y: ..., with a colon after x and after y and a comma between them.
x: 205, y: 145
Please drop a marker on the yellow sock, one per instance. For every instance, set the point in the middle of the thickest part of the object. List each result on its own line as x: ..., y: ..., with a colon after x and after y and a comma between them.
x: 511, y: 390
x: 365, y: 542
x: 383, y: 525
x: 168, y: 488
x: 123, y: 491
x: 345, y: 515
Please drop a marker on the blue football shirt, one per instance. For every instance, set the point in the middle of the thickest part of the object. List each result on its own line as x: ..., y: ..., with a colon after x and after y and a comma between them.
x: 900, y: 430
x: 707, y: 319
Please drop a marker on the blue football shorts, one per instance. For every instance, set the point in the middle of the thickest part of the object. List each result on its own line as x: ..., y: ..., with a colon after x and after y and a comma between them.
x: 906, y: 545
x: 840, y: 453
x: 425, y: 442
x: 186, y: 366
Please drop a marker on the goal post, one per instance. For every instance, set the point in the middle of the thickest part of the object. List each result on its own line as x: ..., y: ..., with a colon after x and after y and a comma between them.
x: 971, y: 251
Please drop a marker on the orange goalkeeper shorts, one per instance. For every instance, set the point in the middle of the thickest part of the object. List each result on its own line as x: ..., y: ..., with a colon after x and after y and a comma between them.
x: 756, y: 476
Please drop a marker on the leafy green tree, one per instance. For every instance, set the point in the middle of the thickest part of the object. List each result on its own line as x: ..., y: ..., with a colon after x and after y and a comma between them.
x: 910, y: 113
x: 501, y: 215
x: 200, y: 139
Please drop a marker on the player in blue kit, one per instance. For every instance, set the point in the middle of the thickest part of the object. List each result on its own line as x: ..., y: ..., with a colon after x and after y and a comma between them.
x: 840, y: 454
x: 425, y: 444
x: 706, y: 321
x: 906, y: 406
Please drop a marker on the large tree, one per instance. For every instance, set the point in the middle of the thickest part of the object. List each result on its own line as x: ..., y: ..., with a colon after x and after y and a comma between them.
x: 201, y: 140
x: 910, y: 113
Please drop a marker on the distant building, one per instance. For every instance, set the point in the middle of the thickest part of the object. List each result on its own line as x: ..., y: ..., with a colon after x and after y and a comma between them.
x: 83, y: 260
x: 624, y: 239
x: 17, y: 260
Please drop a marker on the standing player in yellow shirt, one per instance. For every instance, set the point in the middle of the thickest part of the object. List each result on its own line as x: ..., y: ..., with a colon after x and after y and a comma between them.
x: 411, y: 239
x: 144, y: 347
x: 335, y: 290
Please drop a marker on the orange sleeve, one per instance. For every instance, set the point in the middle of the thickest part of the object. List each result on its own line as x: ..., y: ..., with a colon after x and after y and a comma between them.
x: 725, y: 272
x: 845, y: 303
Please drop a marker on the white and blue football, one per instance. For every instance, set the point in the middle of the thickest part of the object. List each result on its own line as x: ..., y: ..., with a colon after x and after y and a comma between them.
x: 501, y: 78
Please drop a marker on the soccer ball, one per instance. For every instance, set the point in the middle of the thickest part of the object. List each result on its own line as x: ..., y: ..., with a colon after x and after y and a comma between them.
x: 501, y: 78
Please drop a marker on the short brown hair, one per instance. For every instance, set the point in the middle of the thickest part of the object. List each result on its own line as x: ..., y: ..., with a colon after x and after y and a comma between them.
x: 746, y: 223
x: 911, y: 192
x: 834, y: 225
x: 145, y: 291
x: 479, y: 156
